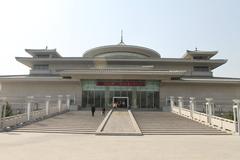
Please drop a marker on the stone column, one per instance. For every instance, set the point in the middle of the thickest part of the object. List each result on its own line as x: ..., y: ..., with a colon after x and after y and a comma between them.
x: 172, y: 102
x: 180, y: 104
x: 59, y: 102
x: 107, y: 96
x: 68, y: 101
x: 47, y: 104
x: 209, y: 107
x: 134, y: 99
x: 30, y: 100
x: 80, y: 96
x: 236, y: 107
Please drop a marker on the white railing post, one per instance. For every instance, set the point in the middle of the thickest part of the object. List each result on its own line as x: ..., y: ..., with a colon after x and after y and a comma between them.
x: 172, y: 102
x: 180, y: 104
x: 236, y: 114
x: 59, y: 102
x: 30, y: 99
x: 209, y: 108
x: 47, y: 104
x: 68, y: 102
x: 192, y: 105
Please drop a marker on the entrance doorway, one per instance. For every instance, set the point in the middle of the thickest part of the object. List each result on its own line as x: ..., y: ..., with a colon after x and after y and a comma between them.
x: 122, y: 102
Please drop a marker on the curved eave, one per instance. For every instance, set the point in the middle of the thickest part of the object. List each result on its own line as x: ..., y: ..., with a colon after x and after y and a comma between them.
x: 150, y: 53
x: 34, y: 79
x: 231, y: 81
x: 34, y: 52
x: 110, y: 59
x: 74, y: 59
x: 200, y: 53
x: 30, y: 61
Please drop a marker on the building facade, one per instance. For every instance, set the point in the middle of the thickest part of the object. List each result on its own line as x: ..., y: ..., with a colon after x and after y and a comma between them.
x: 132, y: 76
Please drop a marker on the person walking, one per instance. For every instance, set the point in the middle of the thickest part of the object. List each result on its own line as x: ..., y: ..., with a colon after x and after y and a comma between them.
x: 93, y: 110
x: 103, y: 111
x: 114, y: 105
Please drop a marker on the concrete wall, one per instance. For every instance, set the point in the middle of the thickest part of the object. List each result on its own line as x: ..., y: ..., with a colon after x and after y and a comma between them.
x: 200, y: 90
x: 188, y: 67
x: 222, y: 93
x: 16, y: 89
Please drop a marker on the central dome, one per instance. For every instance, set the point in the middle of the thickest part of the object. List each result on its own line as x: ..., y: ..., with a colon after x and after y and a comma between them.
x: 121, y: 51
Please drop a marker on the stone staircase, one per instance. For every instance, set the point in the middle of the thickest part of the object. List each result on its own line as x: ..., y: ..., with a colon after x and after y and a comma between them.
x: 76, y: 122
x: 167, y: 123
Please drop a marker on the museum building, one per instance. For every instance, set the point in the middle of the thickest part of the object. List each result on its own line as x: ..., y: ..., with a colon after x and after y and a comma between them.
x: 132, y: 76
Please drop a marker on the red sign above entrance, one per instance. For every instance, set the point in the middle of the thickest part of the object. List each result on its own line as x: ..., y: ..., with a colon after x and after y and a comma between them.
x: 127, y: 83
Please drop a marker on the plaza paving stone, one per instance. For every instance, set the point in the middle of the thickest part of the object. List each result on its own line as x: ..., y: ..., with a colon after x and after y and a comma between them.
x: 46, y: 146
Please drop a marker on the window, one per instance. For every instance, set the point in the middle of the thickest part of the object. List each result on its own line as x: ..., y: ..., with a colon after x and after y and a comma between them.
x: 42, y: 56
x: 175, y: 78
x: 201, y: 68
x: 201, y: 57
x: 40, y: 67
x: 67, y: 77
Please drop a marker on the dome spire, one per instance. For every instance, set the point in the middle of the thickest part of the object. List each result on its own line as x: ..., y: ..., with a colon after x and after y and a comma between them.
x: 121, y: 36
x: 121, y: 42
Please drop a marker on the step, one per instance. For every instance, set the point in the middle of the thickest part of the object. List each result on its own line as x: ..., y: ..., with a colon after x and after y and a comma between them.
x: 166, y: 123
x: 61, y: 132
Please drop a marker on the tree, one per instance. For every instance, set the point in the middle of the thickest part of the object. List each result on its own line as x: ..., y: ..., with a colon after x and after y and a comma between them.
x: 7, y: 109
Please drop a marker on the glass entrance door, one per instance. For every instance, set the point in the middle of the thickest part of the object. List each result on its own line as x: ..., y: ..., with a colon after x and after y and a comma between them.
x: 121, y: 102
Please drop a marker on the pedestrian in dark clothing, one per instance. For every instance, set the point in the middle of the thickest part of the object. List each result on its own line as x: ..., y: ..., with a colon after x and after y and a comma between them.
x: 93, y: 110
x: 103, y: 111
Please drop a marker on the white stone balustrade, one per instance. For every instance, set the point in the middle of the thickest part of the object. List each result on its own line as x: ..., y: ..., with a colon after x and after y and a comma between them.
x: 208, y: 118
x: 50, y: 109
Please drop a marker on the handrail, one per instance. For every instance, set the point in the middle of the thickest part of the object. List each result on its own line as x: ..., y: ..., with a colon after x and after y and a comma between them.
x: 13, y: 121
x: 222, y: 123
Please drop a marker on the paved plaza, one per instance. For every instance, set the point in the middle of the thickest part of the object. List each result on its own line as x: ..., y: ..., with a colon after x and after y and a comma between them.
x: 51, y: 146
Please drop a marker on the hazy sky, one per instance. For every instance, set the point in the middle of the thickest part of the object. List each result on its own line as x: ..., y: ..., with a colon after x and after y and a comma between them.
x: 73, y: 26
